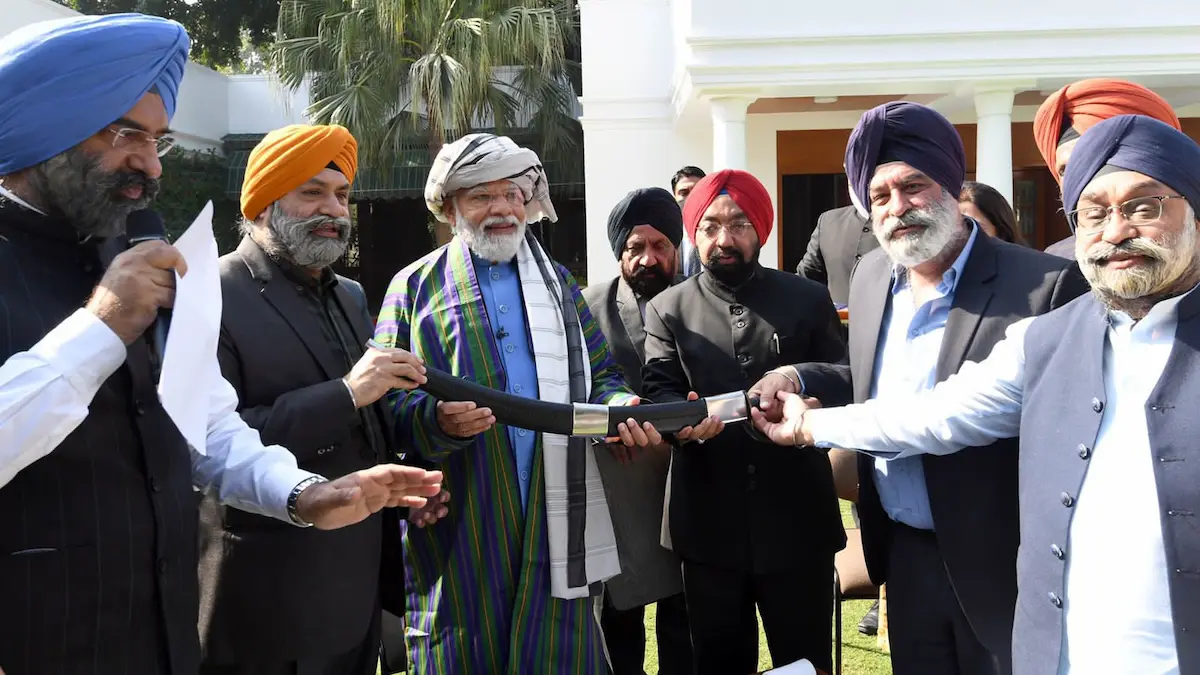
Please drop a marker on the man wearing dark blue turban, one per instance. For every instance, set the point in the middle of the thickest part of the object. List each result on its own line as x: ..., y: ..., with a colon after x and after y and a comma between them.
x: 941, y: 532
x: 1101, y: 395
x: 98, y: 514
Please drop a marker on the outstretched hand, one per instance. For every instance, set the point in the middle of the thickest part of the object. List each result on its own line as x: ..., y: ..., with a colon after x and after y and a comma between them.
x: 354, y: 497
x: 788, y: 430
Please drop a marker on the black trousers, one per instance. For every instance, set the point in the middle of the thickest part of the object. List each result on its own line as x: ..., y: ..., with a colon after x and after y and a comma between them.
x: 928, y: 632
x: 362, y: 659
x: 625, y: 637
x: 796, y: 608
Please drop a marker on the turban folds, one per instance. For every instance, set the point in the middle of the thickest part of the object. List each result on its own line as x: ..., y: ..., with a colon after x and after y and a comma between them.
x: 907, y: 132
x: 65, y: 80
x: 289, y: 157
x: 1134, y: 143
x: 1083, y: 104
x: 747, y: 192
x: 646, y: 206
x: 476, y: 159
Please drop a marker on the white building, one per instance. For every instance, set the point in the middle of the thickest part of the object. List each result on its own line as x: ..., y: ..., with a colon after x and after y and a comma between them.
x: 775, y: 87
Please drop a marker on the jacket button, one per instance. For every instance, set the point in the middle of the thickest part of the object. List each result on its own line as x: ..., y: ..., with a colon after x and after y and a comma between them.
x: 1055, y: 600
x: 737, y: 311
x: 858, y: 256
x: 1067, y: 500
x: 750, y: 469
x: 866, y: 228
x: 154, y: 485
x: 137, y: 408
x: 162, y: 565
x: 750, y: 485
x: 741, y: 324
x: 1058, y: 552
x: 743, y: 358
x: 1084, y: 451
x: 1097, y: 404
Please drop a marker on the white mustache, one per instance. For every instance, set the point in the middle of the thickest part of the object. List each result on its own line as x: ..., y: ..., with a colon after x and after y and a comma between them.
x: 499, y: 220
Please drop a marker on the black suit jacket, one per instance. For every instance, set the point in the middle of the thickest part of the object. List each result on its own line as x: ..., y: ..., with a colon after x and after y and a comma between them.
x: 705, y: 337
x: 840, y: 240
x: 271, y: 591
x: 973, y: 493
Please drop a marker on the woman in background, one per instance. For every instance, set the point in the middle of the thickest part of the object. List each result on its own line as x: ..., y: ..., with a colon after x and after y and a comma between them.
x: 991, y: 210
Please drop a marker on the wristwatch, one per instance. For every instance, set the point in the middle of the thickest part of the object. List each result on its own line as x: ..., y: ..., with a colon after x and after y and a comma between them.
x: 295, y: 495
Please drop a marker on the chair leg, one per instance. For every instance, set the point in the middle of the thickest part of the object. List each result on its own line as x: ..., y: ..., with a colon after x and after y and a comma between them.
x: 837, y: 624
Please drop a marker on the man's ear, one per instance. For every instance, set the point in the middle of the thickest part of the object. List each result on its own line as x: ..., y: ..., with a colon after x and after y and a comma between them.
x: 448, y: 209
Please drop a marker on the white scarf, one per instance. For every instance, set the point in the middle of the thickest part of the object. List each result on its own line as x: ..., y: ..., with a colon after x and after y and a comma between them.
x: 543, y: 312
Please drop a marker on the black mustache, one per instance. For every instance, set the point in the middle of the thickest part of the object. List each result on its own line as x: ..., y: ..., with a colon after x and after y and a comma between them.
x: 731, y: 252
x: 126, y: 179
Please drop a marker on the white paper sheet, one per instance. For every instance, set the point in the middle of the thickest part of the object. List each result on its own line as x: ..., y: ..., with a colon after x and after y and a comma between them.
x: 190, y: 361
x: 801, y: 667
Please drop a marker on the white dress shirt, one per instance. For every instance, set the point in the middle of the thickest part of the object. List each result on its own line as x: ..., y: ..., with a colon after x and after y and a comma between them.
x: 45, y: 393
x: 1117, y: 610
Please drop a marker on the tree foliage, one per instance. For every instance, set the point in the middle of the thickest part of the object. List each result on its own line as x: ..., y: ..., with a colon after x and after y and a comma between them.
x: 190, y: 180
x: 219, y: 29
x: 400, y: 73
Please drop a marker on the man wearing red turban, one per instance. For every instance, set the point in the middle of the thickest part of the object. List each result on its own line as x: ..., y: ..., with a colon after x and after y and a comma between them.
x: 1079, y: 106
x: 717, y: 332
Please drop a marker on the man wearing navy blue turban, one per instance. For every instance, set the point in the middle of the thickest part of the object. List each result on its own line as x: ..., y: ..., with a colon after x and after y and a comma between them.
x: 942, y: 532
x: 98, y: 516
x: 1102, y: 396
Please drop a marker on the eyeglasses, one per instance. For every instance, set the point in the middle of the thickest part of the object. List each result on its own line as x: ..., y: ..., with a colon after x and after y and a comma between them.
x: 736, y: 228
x: 129, y: 139
x: 484, y: 200
x: 1136, y: 211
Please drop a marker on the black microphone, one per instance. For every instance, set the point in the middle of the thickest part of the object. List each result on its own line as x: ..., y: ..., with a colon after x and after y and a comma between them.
x: 142, y: 226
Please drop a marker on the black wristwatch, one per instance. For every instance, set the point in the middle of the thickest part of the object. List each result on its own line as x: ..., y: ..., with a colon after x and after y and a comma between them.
x: 295, y: 495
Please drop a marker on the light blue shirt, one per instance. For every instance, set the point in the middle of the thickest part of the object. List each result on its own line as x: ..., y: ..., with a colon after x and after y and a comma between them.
x: 906, y: 363
x: 500, y: 286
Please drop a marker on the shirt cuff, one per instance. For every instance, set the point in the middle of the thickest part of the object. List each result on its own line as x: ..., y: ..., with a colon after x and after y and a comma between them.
x: 83, y: 349
x: 278, y: 488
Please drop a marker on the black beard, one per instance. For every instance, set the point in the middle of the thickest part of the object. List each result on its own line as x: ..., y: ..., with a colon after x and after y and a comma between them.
x: 647, y: 282
x: 73, y: 185
x: 732, y: 273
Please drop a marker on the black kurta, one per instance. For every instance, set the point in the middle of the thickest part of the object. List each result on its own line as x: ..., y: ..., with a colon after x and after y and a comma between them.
x: 704, y: 336
x: 97, y: 539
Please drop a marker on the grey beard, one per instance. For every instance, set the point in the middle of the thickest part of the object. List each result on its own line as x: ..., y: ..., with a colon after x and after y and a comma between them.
x: 941, y: 226
x: 497, y: 248
x: 292, y: 239
x: 73, y: 185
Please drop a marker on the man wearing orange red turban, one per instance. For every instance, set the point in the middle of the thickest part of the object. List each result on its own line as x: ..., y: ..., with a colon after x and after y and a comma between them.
x: 1077, y: 107
x: 278, y: 598
x: 717, y: 332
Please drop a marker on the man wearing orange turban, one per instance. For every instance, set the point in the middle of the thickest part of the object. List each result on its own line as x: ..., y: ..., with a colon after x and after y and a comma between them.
x: 1079, y: 106
x: 277, y: 598
x: 720, y: 331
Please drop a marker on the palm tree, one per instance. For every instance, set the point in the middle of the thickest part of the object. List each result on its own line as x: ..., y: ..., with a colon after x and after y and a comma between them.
x: 400, y: 73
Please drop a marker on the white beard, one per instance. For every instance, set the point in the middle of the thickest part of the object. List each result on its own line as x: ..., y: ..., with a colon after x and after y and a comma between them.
x: 943, y: 227
x: 494, y: 247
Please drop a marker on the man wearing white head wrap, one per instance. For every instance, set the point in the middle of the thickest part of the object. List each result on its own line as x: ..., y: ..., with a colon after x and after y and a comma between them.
x: 509, y: 582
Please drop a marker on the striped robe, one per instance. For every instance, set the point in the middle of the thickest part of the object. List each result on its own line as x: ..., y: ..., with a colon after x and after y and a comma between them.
x: 478, y: 591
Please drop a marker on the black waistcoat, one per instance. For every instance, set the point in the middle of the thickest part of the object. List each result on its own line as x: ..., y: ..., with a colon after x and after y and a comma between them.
x: 97, y: 539
x: 1064, y: 400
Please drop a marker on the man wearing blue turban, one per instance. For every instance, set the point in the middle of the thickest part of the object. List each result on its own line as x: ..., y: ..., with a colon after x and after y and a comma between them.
x: 942, y: 532
x: 1101, y: 394
x: 98, y: 517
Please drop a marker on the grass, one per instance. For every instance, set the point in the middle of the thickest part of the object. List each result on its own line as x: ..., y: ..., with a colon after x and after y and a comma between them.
x: 860, y: 653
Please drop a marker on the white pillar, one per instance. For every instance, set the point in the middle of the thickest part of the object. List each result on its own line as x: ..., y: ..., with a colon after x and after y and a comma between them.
x: 729, y: 132
x: 993, y: 142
